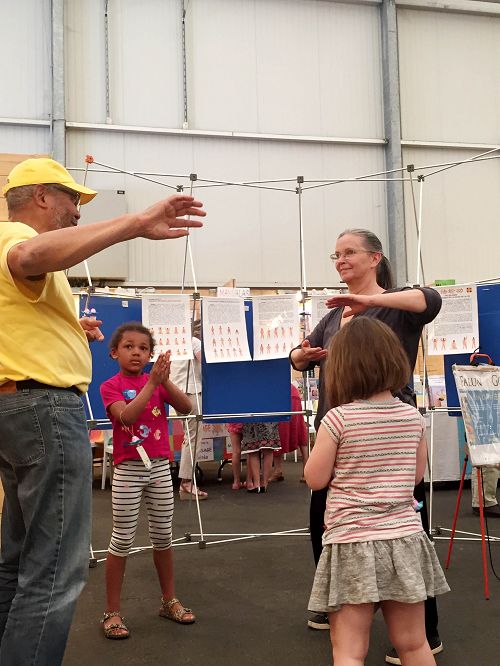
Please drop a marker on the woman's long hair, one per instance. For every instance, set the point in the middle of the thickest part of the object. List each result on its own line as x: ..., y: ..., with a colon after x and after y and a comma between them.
x: 372, y: 244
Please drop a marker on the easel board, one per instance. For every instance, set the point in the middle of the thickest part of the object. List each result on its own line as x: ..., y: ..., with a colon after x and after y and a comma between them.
x: 488, y: 303
x: 247, y: 387
x: 479, y: 394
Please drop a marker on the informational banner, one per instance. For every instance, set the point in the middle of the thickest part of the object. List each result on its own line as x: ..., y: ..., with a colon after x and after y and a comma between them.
x: 456, y: 328
x: 275, y: 326
x: 224, y: 330
x: 318, y: 307
x: 479, y: 394
x: 169, y: 320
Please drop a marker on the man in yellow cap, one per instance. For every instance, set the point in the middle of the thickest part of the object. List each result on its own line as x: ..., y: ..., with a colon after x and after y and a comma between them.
x: 45, y: 365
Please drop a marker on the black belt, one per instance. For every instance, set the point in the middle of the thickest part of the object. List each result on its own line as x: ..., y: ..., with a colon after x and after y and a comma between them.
x: 33, y: 384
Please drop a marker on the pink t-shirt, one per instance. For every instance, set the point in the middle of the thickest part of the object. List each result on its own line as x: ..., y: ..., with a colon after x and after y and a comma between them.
x: 151, y: 426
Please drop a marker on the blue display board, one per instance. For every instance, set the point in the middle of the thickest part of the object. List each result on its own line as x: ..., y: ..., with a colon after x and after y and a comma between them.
x: 247, y: 386
x: 113, y: 312
x: 488, y: 304
x: 228, y: 388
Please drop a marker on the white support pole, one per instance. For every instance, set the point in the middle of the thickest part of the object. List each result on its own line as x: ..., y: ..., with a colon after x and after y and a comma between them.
x: 419, y: 229
x: 303, y: 281
x: 431, y: 472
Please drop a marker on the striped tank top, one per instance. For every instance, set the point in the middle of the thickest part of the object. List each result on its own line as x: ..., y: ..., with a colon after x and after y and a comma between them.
x: 370, y: 495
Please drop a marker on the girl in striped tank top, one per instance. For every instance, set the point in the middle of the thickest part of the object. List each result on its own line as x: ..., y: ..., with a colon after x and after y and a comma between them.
x: 371, y: 451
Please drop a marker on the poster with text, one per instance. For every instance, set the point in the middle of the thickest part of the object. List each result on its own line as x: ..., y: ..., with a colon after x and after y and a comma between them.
x: 479, y: 394
x: 275, y: 326
x: 224, y: 330
x: 318, y: 307
x: 456, y: 328
x: 169, y: 320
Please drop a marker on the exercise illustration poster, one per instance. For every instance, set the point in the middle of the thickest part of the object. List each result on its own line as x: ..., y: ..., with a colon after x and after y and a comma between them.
x: 169, y: 320
x: 456, y: 328
x: 224, y: 330
x: 275, y: 326
x: 318, y: 307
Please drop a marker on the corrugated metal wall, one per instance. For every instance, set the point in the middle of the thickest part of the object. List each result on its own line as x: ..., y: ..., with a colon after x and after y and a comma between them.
x: 295, y: 67
x: 450, y: 92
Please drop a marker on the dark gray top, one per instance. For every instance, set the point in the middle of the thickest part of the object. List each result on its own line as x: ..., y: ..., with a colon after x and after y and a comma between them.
x: 406, y: 325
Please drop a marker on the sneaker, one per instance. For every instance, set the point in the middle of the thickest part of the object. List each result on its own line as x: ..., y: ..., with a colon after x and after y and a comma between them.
x: 434, y: 643
x: 489, y: 511
x: 319, y: 621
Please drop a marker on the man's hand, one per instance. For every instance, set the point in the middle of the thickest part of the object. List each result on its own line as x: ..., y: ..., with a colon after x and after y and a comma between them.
x: 165, y: 218
x: 354, y: 303
x: 91, y: 327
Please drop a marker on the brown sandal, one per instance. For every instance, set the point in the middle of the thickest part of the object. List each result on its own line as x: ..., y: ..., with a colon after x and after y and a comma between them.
x: 110, y: 629
x: 178, y: 615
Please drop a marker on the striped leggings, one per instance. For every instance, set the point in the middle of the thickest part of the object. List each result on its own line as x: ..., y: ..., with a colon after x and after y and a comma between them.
x: 131, y: 480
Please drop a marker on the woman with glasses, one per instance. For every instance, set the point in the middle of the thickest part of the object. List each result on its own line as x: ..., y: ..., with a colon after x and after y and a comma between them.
x: 360, y: 261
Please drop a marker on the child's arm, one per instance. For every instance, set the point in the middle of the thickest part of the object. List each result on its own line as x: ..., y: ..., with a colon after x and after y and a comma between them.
x: 421, y: 460
x: 128, y: 414
x: 319, y: 468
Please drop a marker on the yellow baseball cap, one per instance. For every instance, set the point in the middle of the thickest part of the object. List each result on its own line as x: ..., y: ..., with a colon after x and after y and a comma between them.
x: 44, y: 171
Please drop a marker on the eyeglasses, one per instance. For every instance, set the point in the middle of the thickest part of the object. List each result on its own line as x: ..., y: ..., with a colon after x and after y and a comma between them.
x: 348, y: 253
x: 75, y: 196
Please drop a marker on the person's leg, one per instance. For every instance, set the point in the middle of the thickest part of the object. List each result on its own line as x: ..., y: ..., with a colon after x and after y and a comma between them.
x: 350, y: 634
x: 317, y: 521
x: 160, y: 507
x: 253, y: 470
x: 129, y: 481
x: 267, y: 464
x: 190, y: 448
x: 316, y: 529
x: 236, y: 459
x: 304, y: 452
x: 489, y: 480
x: 431, y: 612
x: 277, y: 472
x: 406, y: 627
x: 45, y: 444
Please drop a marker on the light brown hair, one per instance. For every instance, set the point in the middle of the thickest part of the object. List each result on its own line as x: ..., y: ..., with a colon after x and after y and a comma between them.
x: 364, y: 358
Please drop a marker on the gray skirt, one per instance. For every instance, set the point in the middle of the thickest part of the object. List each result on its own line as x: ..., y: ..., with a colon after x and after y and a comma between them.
x: 405, y: 570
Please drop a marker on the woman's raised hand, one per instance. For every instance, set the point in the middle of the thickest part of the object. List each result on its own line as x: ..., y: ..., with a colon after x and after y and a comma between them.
x: 353, y: 303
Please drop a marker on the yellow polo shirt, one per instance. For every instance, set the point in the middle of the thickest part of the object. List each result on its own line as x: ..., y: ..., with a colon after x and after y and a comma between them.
x: 40, y: 335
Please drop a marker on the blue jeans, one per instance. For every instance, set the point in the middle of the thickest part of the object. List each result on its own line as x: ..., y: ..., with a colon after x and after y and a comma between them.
x: 45, y: 467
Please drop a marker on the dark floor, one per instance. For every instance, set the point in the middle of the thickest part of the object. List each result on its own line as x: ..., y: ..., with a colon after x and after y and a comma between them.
x: 250, y: 596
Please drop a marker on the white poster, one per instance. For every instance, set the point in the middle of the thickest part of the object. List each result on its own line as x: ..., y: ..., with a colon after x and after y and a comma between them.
x: 224, y: 330
x: 318, y: 307
x: 456, y: 329
x: 479, y: 393
x: 169, y: 320
x: 275, y: 326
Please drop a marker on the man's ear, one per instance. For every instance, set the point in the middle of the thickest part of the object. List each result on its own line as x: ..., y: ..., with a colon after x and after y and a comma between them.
x: 40, y: 193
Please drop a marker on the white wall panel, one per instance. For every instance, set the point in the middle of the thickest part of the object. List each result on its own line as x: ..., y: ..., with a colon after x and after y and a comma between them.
x: 460, y: 218
x: 250, y: 234
x: 25, y: 76
x: 25, y: 140
x: 144, y: 58
x: 85, y: 82
x: 450, y: 83
x: 285, y: 66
